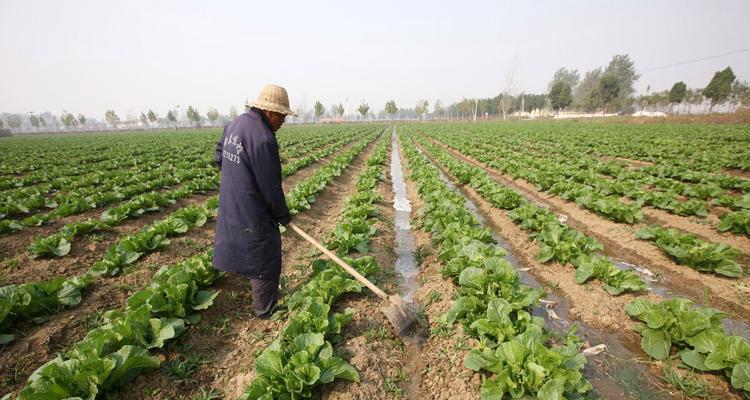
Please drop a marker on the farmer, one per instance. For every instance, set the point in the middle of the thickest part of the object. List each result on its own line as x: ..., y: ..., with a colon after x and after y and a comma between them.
x: 251, y: 201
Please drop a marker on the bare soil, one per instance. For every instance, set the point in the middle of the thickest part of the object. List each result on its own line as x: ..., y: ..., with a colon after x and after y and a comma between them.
x: 589, y: 303
x: 42, y: 342
x: 369, y: 343
x: 85, y: 251
x: 620, y: 242
x: 629, y: 161
x: 229, y: 335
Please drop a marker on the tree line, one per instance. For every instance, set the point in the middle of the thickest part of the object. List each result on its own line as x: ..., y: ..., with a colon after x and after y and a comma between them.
x: 607, y: 88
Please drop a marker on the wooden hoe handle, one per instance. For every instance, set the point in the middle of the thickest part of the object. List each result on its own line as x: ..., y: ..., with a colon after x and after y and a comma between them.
x: 353, y: 272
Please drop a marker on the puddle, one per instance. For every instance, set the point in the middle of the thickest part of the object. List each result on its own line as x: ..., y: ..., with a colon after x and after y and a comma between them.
x: 406, y: 264
x: 614, y: 373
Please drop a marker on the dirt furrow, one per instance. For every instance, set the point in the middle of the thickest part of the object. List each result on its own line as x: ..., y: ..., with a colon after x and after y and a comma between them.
x: 702, y: 227
x: 63, y: 329
x: 368, y: 342
x: 229, y: 335
x: 443, y: 375
x: 620, y: 242
x: 589, y: 303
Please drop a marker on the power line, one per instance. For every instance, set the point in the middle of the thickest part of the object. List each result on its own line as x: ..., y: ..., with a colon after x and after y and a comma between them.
x: 696, y: 60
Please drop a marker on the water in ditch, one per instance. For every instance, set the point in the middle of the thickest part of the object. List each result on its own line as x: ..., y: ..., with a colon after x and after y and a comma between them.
x: 406, y: 264
x: 406, y: 267
x: 615, y: 372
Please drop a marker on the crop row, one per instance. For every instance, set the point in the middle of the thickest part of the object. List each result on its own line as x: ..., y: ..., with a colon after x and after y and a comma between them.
x: 605, y: 208
x: 696, y: 332
x: 301, y: 357
x: 155, y: 237
x: 88, y: 190
x: 74, y: 204
x: 174, y: 296
x: 575, y: 180
x: 58, y: 244
x: 557, y: 241
x: 493, y: 306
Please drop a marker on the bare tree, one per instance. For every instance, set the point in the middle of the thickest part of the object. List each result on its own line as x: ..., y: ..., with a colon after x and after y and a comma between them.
x: 421, y: 108
x: 506, y: 99
x: 438, y: 108
x: 112, y: 118
x: 212, y: 114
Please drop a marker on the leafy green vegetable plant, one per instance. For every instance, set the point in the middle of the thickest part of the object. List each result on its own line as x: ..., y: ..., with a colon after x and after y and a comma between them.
x: 689, y: 250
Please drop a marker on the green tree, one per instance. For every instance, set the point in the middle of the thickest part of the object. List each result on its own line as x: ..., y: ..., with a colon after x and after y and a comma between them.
x: 363, y: 109
x: 537, y: 101
x: 339, y: 110
x: 678, y: 92
x: 144, y: 119
x: 194, y: 116
x: 741, y: 92
x: 587, y: 95
x: 43, y: 121
x: 33, y: 119
x: 212, y: 115
x: 421, y: 108
x: 319, y: 109
x: 171, y: 117
x: 67, y: 119
x: 112, y: 118
x: 82, y: 119
x: 622, y: 68
x: 390, y: 108
x: 720, y: 87
x: 233, y: 112
x: 560, y: 96
x: 151, y: 116
x: 570, y: 77
x: 609, y: 89
x: 1, y: 123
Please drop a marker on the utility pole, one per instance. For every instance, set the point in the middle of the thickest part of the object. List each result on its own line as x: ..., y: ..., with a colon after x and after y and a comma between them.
x: 476, y: 105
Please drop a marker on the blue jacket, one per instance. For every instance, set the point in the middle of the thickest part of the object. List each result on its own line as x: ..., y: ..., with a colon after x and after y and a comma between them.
x: 251, y: 199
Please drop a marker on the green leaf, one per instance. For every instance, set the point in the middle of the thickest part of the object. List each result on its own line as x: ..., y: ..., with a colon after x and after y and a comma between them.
x: 552, y: 390
x: 7, y: 338
x: 694, y: 359
x: 584, y: 271
x: 656, y: 343
x: 270, y: 363
x: 309, y: 342
x: 165, y: 329
x: 546, y: 253
x: 477, y: 360
x: 473, y: 278
x: 730, y: 269
x: 204, y: 299
x: 69, y: 295
x: 741, y: 377
x: 638, y: 307
x: 335, y: 367
x: 494, y: 388
x: 130, y: 361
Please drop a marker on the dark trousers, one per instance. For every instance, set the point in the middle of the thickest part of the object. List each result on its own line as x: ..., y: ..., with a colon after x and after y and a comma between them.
x: 265, y: 294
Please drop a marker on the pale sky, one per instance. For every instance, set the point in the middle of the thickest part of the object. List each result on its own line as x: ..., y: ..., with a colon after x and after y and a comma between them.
x: 90, y: 56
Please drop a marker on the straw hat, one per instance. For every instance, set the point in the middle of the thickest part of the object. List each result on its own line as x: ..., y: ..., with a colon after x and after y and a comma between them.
x: 273, y: 98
